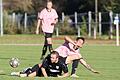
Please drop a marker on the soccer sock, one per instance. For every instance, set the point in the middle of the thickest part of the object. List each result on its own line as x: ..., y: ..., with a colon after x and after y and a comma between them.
x: 28, y: 71
x: 74, y: 66
x: 50, y: 48
x: 44, y: 50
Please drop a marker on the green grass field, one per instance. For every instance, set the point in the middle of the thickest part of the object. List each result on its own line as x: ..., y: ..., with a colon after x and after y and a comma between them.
x: 104, y: 58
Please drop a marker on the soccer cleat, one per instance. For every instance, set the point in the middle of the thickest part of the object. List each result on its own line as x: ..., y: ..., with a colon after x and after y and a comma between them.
x: 74, y: 75
x: 23, y: 75
x: 15, y: 74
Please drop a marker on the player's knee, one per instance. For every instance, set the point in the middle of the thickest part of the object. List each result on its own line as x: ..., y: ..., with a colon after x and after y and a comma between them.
x: 68, y: 60
x: 49, y: 40
x: 40, y: 65
x: 32, y: 74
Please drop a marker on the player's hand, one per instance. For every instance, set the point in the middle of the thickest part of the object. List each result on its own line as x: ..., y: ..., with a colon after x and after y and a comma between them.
x: 75, y: 47
x: 94, y: 71
x: 59, y: 76
x: 52, y: 24
x: 37, y: 31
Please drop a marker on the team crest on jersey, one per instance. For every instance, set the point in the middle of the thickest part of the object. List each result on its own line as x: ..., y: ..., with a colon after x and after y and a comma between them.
x: 50, y: 66
x: 57, y: 67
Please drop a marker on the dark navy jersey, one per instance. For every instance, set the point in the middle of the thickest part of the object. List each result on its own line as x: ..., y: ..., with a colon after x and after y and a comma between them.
x: 54, y: 69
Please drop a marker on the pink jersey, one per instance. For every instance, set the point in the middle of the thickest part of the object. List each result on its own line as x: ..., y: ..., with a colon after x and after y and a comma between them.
x: 47, y: 18
x: 65, y: 50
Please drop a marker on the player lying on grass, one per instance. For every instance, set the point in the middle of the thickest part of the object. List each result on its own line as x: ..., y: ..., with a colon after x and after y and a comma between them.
x: 69, y: 52
x: 50, y: 67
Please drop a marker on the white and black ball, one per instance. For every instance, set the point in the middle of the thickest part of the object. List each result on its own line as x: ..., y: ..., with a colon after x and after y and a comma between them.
x: 14, y: 62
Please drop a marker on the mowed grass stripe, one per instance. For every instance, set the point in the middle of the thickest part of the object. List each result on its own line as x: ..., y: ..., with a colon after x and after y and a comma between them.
x: 102, y: 58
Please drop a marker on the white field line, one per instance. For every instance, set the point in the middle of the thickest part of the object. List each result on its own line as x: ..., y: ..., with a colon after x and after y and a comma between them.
x: 55, y: 44
x: 25, y: 44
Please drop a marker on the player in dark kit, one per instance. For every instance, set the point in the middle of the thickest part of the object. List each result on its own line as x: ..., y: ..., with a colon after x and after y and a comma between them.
x: 50, y: 67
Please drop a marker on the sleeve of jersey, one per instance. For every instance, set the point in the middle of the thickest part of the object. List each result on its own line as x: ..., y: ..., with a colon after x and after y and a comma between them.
x: 55, y: 14
x: 71, y: 46
x: 45, y: 63
x: 40, y: 15
x: 65, y: 68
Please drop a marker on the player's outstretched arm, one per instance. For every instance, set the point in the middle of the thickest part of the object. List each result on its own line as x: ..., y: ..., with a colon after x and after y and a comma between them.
x: 44, y: 72
x: 83, y: 62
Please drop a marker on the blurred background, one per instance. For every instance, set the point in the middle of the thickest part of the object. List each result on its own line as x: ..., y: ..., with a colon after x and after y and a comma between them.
x: 96, y: 20
x: 89, y: 18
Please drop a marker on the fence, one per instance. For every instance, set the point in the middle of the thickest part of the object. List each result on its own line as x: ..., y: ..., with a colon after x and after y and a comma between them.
x: 104, y: 25
x: 82, y: 24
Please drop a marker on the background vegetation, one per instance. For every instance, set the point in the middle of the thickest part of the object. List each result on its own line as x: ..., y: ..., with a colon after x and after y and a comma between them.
x: 32, y: 7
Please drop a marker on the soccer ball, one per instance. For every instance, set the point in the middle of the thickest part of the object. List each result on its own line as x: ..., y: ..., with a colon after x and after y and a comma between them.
x: 14, y: 62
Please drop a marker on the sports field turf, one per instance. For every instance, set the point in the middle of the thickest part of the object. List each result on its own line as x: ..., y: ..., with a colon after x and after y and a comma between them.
x: 104, y: 58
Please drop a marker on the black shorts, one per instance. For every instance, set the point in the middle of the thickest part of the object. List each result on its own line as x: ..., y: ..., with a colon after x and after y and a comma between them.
x: 36, y: 69
x: 48, y: 35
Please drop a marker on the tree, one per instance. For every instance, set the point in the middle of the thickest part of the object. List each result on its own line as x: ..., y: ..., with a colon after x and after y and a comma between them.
x: 111, y: 5
x: 19, y: 6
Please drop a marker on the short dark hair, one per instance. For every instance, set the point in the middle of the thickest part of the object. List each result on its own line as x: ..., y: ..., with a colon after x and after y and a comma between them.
x: 49, y: 1
x: 55, y: 53
x: 82, y: 38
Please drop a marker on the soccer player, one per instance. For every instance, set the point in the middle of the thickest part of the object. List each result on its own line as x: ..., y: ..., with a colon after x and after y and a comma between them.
x: 48, y: 17
x: 69, y: 51
x: 51, y: 66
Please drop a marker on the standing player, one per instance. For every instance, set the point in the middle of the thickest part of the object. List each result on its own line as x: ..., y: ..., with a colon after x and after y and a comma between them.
x: 48, y: 17
x: 50, y: 67
x: 69, y: 51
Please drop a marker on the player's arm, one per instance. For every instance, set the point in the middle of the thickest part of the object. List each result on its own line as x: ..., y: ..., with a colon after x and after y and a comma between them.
x: 67, y: 39
x: 65, y: 70
x: 40, y: 18
x: 38, y: 26
x: 55, y: 21
x: 64, y: 75
x: 83, y: 62
x: 55, y: 18
x: 44, y: 66
x: 44, y: 72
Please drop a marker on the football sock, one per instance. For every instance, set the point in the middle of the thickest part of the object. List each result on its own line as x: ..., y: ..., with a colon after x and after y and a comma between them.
x: 74, y: 66
x: 44, y: 50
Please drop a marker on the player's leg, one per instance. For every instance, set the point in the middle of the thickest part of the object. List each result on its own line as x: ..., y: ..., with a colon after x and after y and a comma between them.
x: 34, y: 71
x: 74, y: 67
x: 75, y: 59
x: 50, y: 44
x: 70, y: 58
x: 44, y: 50
x: 49, y: 40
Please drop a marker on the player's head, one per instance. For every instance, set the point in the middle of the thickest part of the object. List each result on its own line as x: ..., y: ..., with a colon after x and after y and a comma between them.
x: 54, y: 56
x: 80, y: 41
x: 49, y: 5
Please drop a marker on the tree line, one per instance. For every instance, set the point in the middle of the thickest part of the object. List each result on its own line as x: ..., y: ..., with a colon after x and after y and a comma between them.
x: 67, y: 6
x: 32, y: 7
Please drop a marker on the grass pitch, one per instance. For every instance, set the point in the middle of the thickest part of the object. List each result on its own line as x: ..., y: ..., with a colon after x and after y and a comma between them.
x: 102, y: 58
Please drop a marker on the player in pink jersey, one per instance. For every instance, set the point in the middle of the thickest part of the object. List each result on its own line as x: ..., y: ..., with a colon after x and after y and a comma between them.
x: 47, y: 18
x: 69, y: 52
